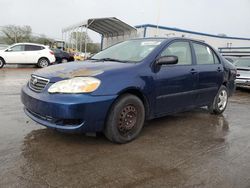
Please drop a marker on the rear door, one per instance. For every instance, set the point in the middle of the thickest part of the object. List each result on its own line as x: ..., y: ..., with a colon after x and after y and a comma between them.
x: 210, y: 73
x: 176, y: 84
x: 15, y: 54
x: 33, y: 53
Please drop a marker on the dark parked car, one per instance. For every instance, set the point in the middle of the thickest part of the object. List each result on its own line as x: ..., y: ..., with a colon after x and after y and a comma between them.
x: 231, y: 59
x: 62, y: 56
x: 121, y: 86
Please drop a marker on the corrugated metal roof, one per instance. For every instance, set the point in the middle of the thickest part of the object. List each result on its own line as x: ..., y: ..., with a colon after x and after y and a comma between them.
x: 105, y: 26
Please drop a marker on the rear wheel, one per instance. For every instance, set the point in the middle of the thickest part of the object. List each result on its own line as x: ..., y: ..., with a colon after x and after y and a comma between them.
x: 1, y: 63
x: 220, y: 101
x: 43, y: 62
x: 64, y: 60
x: 125, y: 119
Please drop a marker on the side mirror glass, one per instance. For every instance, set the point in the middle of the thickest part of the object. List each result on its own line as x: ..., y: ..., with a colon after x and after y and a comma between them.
x: 167, y: 60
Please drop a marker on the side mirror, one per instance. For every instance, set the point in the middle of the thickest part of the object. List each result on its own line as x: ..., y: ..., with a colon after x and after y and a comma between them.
x: 8, y: 50
x: 167, y: 60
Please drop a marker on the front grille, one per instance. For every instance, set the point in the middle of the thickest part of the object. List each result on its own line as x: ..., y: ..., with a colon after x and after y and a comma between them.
x: 37, y: 83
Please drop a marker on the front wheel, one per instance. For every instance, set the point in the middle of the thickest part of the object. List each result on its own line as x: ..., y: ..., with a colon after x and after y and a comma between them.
x: 1, y: 63
x: 125, y: 119
x: 220, y: 101
x: 43, y: 62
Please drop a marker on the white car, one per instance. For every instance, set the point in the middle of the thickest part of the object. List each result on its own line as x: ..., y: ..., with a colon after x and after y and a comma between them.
x: 27, y: 53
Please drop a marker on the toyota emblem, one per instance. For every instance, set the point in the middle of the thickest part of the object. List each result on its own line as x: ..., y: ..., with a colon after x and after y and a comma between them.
x: 34, y: 82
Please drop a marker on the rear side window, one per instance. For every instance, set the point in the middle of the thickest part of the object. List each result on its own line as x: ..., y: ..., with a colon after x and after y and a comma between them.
x: 204, y: 54
x: 181, y: 50
x: 33, y: 48
x: 216, y: 59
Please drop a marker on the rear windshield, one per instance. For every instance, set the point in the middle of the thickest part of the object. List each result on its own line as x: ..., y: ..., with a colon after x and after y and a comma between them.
x: 242, y: 62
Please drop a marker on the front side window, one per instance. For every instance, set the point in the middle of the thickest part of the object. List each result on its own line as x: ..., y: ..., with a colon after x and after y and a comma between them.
x: 17, y: 48
x: 130, y: 51
x: 181, y: 50
x: 204, y: 55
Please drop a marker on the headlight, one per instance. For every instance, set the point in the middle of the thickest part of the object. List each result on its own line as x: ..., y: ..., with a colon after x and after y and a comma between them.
x: 75, y: 85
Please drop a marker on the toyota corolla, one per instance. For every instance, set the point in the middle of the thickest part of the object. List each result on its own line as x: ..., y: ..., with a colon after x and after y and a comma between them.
x: 119, y: 88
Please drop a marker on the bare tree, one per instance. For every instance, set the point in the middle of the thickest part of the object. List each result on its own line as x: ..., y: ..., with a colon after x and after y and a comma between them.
x: 13, y: 34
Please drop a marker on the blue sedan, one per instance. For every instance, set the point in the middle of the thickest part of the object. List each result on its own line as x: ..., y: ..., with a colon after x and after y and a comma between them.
x: 119, y: 88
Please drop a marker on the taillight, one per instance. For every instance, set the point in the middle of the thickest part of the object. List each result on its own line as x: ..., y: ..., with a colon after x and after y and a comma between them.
x: 51, y: 52
x: 233, y: 73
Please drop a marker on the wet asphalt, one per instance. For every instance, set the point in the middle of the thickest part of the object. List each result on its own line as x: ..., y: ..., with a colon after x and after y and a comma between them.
x: 191, y: 149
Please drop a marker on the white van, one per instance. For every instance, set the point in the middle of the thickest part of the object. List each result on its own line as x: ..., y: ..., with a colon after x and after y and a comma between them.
x: 27, y: 53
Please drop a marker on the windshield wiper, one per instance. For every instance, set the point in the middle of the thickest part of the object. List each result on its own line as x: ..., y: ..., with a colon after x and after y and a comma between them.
x: 108, y: 59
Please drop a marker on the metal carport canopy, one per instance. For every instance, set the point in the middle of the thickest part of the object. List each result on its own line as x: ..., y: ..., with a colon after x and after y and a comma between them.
x: 104, y: 26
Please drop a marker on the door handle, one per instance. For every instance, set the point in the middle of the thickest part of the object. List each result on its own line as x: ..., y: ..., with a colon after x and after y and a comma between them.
x: 193, y: 71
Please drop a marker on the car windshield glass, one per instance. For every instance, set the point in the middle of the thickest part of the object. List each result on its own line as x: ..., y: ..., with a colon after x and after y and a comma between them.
x: 128, y: 51
x: 243, y: 63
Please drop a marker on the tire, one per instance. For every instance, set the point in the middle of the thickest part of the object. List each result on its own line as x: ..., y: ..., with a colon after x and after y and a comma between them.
x: 43, y: 62
x: 125, y: 119
x: 220, y: 101
x: 2, y: 62
x: 64, y: 60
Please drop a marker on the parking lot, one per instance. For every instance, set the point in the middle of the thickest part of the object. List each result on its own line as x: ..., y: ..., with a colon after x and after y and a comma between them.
x: 192, y: 149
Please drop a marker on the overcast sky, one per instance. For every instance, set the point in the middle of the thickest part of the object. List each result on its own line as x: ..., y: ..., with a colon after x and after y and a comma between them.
x: 48, y: 17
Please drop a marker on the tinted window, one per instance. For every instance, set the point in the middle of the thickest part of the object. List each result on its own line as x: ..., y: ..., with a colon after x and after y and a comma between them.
x: 33, y: 48
x: 17, y: 48
x: 181, y: 50
x: 204, y: 55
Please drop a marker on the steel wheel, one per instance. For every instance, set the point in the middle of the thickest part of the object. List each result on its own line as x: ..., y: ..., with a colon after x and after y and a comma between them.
x: 127, y: 120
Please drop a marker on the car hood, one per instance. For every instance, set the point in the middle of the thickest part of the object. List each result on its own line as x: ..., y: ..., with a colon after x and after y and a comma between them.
x: 76, y: 69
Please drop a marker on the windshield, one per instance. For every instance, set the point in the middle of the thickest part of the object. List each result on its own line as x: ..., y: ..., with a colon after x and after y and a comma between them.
x: 129, y: 51
x: 243, y: 63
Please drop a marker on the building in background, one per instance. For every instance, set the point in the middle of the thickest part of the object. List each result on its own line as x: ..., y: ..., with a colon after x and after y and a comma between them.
x: 113, y: 30
x: 230, y: 46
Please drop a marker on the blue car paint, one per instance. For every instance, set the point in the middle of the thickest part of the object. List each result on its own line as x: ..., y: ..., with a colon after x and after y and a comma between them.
x: 76, y: 106
x: 165, y: 90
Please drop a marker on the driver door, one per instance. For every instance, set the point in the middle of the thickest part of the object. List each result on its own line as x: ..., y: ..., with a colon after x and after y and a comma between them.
x: 15, y: 54
x: 176, y: 84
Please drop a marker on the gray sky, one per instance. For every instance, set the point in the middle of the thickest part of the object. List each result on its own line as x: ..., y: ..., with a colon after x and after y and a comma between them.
x: 48, y: 17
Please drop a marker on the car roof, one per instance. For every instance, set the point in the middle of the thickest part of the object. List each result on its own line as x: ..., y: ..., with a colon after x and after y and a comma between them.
x: 170, y: 38
x: 29, y: 43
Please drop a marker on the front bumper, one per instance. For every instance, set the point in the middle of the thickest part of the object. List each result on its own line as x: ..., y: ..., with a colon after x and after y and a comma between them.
x: 243, y: 83
x: 67, y: 112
